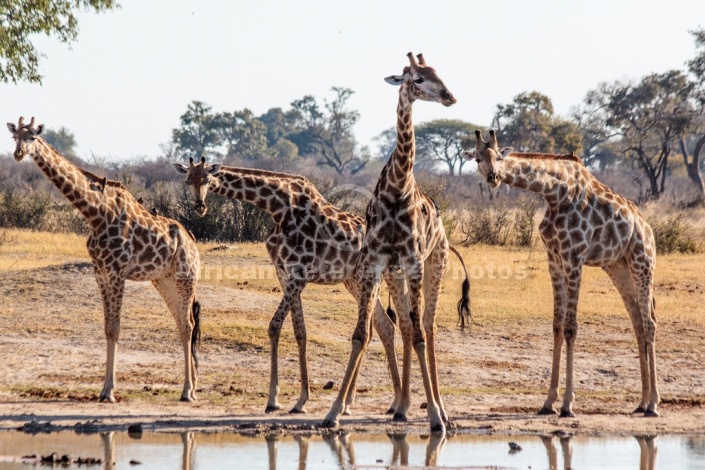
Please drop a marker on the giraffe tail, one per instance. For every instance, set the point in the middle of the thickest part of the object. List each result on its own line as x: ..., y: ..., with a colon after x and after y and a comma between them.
x: 390, y: 311
x: 464, y: 313
x: 196, y: 334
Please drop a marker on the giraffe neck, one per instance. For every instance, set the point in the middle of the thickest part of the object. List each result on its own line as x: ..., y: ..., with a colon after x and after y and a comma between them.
x: 275, y: 193
x: 556, y: 180
x: 399, y: 170
x: 70, y: 180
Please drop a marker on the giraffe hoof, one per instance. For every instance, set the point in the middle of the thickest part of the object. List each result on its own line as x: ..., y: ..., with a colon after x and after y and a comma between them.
x: 186, y: 399
x: 567, y: 414
x: 296, y: 411
x: 640, y: 409
x: 272, y: 408
x: 105, y: 397
x: 347, y: 412
x: 651, y: 414
x: 400, y: 418
x: 390, y: 411
x: 546, y: 411
x: 329, y: 424
x: 438, y: 428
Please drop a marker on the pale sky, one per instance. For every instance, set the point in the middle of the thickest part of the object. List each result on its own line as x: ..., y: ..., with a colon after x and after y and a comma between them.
x: 124, y: 83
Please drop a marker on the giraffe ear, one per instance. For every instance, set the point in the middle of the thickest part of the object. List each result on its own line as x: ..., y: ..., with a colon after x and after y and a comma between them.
x: 39, y: 130
x: 181, y: 168
x: 12, y: 127
x: 395, y: 80
x: 214, y: 168
x: 505, y: 151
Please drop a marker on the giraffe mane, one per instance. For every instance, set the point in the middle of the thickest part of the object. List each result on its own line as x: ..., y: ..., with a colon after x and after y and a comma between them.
x: 546, y: 156
x: 264, y: 173
x: 102, y: 180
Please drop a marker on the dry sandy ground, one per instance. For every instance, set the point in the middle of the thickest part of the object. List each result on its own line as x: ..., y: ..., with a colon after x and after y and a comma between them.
x: 494, y: 379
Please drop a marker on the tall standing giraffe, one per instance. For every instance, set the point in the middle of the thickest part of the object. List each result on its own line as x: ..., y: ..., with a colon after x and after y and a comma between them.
x: 406, y: 245
x: 586, y: 224
x: 126, y: 242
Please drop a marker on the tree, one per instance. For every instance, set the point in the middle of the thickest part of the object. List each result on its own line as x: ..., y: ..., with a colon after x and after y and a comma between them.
x: 21, y: 19
x: 529, y: 125
x: 649, y: 118
x: 279, y: 126
x: 62, y: 140
x: 198, y: 135
x: 441, y: 140
x: 328, y: 136
x: 244, y: 135
x: 692, y: 162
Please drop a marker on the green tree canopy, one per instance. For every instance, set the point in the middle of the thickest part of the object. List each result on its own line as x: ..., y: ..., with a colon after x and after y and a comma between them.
x: 244, y: 135
x: 21, y: 19
x: 198, y: 135
x: 62, y: 140
x: 529, y: 125
x: 442, y: 141
x: 646, y: 118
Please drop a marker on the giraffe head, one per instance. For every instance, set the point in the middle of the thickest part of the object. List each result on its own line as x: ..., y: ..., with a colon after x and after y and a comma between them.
x: 197, y: 177
x: 487, y: 154
x: 24, y: 135
x: 422, y: 82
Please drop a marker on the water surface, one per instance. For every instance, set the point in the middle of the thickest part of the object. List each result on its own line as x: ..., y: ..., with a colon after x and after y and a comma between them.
x: 344, y: 450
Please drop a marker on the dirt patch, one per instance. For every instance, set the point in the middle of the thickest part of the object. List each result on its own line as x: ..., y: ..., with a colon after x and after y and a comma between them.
x: 493, y: 380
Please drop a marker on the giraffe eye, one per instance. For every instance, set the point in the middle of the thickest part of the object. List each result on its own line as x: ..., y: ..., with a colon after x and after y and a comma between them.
x: 418, y: 80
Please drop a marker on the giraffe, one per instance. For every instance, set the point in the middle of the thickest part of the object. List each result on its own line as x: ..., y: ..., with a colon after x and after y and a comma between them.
x: 586, y: 224
x: 406, y: 245
x: 126, y: 242
x: 311, y: 241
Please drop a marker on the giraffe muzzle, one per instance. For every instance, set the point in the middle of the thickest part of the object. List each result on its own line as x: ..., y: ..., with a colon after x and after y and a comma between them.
x: 447, y: 98
x: 493, y: 178
x: 200, y: 208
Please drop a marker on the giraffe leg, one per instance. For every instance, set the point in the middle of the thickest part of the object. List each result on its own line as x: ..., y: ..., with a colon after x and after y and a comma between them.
x: 570, y: 331
x: 621, y: 278
x: 419, y: 343
x: 642, y: 276
x: 434, y: 268
x: 369, y: 289
x: 297, y: 318
x: 112, y: 290
x: 352, y: 391
x: 385, y: 329
x: 555, y: 266
x: 178, y: 295
x: 398, y: 291
x: 275, y: 327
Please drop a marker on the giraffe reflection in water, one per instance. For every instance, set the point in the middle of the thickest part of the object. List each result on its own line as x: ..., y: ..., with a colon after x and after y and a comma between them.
x: 341, y: 445
x: 647, y: 456
x: 188, y: 457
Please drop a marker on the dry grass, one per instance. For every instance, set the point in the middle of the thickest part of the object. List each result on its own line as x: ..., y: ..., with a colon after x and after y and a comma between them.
x: 507, y: 353
x: 506, y: 284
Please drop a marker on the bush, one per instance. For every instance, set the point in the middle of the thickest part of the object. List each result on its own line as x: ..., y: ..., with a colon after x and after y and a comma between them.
x: 28, y: 210
x: 673, y: 236
x: 524, y: 225
x: 65, y: 218
x: 489, y: 226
